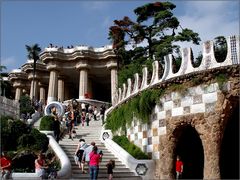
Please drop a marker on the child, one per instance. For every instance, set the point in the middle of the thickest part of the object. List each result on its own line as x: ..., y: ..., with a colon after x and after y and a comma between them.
x: 110, y: 166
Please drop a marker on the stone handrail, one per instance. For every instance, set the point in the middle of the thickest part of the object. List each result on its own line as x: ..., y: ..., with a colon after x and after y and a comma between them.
x: 208, y: 62
x: 66, y: 168
x: 143, y: 168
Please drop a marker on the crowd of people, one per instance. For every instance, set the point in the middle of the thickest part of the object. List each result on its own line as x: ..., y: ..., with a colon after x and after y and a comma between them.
x: 92, y: 156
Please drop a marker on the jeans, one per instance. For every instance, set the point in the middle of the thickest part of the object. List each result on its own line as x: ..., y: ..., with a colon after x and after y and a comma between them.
x: 93, y: 172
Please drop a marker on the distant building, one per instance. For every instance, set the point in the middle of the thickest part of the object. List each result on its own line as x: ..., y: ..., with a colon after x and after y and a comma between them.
x: 62, y: 74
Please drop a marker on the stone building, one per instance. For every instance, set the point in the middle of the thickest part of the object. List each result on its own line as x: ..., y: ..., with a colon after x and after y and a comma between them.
x: 75, y: 73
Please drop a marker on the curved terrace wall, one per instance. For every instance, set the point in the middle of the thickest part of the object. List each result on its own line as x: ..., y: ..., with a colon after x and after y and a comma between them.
x: 205, y: 105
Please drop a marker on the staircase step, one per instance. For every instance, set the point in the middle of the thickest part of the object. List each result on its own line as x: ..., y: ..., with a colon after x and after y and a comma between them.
x: 92, y: 133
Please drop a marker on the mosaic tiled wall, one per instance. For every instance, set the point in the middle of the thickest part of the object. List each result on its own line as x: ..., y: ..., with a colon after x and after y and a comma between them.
x: 197, y: 99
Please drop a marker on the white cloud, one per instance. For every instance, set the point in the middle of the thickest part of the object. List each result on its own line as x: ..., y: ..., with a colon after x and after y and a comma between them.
x: 210, y: 19
x: 10, y: 63
x: 96, y: 5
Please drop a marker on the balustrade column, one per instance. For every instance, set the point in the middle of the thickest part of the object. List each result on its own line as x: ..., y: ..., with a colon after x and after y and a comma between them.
x: 114, y: 82
x: 60, y: 89
x: 53, y: 86
x: 83, y: 83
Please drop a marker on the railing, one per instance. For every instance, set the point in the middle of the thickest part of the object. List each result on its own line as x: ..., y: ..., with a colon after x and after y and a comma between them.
x: 208, y: 62
x: 66, y: 168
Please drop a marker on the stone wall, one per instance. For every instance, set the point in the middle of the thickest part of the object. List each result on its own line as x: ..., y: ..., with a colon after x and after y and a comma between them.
x: 9, y: 107
x: 206, y: 108
x: 199, y: 99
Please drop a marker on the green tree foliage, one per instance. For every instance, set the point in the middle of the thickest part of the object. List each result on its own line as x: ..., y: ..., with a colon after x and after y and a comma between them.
x: 220, y: 48
x: 16, y: 135
x: 33, y: 53
x: 2, y: 84
x: 156, y: 27
x: 25, y: 105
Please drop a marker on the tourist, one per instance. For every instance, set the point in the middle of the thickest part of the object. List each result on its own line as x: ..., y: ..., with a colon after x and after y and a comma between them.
x: 56, y: 125
x: 95, y: 113
x: 5, y: 166
x: 83, y: 107
x: 102, y: 112
x: 110, y: 166
x: 87, y: 152
x: 83, y: 117
x: 94, y: 163
x: 179, y: 168
x: 87, y: 117
x: 40, y: 166
x: 70, y: 124
x: 79, y: 153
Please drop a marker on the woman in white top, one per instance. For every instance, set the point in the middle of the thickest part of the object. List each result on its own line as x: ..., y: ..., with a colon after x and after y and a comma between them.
x: 79, y: 153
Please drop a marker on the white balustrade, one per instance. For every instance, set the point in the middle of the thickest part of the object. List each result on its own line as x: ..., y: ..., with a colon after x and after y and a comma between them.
x: 145, y: 78
x: 124, y: 91
x: 155, y: 73
x: 208, y: 62
x: 136, y: 83
x: 129, y: 87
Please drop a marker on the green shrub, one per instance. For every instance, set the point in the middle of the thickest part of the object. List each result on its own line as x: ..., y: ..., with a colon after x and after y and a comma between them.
x: 131, y: 148
x: 25, y: 141
x: 25, y: 105
x: 41, y: 140
x: 47, y: 123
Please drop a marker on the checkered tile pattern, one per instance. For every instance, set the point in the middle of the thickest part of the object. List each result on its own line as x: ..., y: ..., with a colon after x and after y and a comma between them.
x: 198, y: 99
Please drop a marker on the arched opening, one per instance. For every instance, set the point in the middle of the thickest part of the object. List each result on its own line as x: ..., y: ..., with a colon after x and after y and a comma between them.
x: 229, y: 156
x: 189, y: 148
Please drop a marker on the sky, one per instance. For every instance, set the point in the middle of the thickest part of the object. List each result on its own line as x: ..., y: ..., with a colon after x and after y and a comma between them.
x: 82, y: 22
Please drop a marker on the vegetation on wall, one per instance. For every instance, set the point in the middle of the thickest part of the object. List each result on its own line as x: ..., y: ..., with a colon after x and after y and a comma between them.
x: 140, y: 106
x: 132, y: 149
x: 221, y: 79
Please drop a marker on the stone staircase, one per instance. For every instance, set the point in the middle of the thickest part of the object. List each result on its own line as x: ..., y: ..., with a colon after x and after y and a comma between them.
x: 92, y: 133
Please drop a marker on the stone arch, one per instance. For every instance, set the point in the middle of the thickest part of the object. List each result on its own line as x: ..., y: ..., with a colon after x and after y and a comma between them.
x: 188, y: 145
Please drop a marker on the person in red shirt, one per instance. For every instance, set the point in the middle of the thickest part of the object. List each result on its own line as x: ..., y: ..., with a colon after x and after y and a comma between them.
x: 5, y: 166
x: 94, y: 157
x: 179, y: 168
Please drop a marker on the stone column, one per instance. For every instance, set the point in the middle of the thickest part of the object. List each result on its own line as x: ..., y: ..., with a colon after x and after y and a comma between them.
x: 53, y: 86
x: 18, y: 93
x: 66, y: 91
x: 166, y: 160
x: 61, y: 89
x: 34, y: 89
x: 83, y: 83
x: 114, y: 83
x: 42, y: 93
x: 211, y: 144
